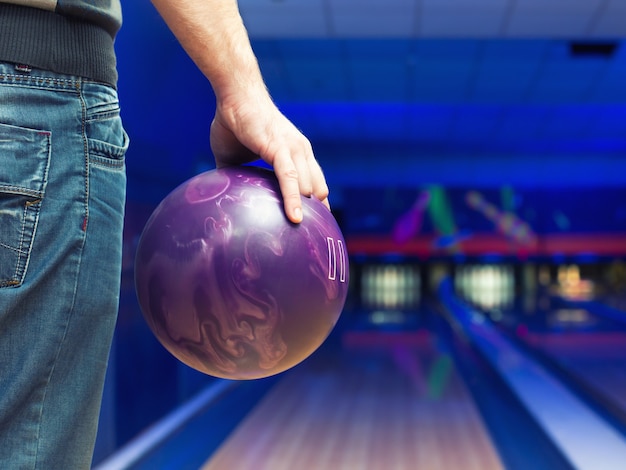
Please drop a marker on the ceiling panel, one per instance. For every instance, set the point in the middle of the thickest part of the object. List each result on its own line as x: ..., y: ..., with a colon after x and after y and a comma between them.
x: 443, y: 70
x: 266, y: 18
x: 566, y: 81
x: 609, y: 22
x: 507, y: 70
x: 553, y: 18
x: 508, y: 83
x: 441, y: 20
x: 381, y: 62
x: 497, y: 4
x: 314, y: 70
x: 372, y: 21
x: 515, y: 50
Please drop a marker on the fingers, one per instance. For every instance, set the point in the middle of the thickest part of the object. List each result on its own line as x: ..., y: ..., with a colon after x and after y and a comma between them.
x: 326, y: 203
x: 318, y: 182
x: 299, y: 174
x: 287, y: 175
x: 305, y: 184
x: 241, y: 133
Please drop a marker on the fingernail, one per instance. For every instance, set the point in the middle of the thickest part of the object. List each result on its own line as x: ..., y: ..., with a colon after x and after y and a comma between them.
x: 297, y: 214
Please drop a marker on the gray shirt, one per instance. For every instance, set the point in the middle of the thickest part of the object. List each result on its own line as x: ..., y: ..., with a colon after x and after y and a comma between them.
x: 66, y: 36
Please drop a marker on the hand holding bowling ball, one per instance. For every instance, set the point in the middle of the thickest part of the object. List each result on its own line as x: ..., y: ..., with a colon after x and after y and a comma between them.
x: 232, y: 288
x: 248, y: 126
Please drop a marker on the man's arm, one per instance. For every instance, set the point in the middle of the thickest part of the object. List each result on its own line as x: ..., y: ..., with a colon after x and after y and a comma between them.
x: 247, y: 122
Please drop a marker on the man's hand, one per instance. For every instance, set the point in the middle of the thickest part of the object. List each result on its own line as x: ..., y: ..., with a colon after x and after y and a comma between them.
x: 244, y: 131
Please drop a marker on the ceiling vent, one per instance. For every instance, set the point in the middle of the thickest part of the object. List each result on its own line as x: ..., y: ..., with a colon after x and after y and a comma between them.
x: 593, y: 49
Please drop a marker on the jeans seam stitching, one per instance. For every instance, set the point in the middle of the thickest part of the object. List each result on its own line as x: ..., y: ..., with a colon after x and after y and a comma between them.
x: 21, y: 244
x: 36, y: 81
x: 70, y: 313
x: 86, y: 152
x: 9, y: 247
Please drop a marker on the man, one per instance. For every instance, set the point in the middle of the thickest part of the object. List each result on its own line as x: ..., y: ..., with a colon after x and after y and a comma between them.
x: 62, y: 190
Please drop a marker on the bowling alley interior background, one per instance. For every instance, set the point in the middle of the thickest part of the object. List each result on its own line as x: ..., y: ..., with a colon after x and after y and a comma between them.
x: 475, y: 152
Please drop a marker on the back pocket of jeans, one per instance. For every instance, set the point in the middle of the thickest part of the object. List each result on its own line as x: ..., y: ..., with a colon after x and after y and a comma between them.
x: 24, y: 163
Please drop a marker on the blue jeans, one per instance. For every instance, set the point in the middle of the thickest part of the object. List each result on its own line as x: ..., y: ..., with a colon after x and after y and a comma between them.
x: 62, y: 194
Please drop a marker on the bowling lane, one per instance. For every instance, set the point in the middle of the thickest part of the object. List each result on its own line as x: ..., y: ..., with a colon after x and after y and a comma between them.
x: 400, y: 404
x: 587, y: 435
x: 585, y: 349
x: 588, y: 349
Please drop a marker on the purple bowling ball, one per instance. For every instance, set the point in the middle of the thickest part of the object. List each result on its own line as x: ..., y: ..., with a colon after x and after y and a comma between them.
x: 232, y: 288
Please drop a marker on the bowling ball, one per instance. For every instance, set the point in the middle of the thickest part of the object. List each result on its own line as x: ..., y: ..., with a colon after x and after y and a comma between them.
x: 232, y: 288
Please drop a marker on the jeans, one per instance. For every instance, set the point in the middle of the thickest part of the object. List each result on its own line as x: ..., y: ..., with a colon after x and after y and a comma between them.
x: 62, y: 195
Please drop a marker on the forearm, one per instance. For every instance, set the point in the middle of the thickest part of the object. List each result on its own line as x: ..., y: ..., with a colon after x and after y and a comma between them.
x: 213, y: 34
x: 247, y: 124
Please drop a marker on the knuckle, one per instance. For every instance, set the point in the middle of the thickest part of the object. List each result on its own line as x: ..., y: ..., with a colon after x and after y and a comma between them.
x: 289, y: 173
x: 322, y: 192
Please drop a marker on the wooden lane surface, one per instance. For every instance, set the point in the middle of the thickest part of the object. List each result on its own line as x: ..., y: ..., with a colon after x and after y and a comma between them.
x: 388, y: 408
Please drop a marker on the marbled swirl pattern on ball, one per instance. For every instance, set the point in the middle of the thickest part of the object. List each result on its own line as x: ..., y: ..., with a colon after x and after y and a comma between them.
x: 232, y: 288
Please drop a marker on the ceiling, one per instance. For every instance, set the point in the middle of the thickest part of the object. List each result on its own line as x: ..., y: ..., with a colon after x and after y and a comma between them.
x: 445, y: 70
x: 459, y: 90
x: 331, y: 19
x: 443, y: 78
